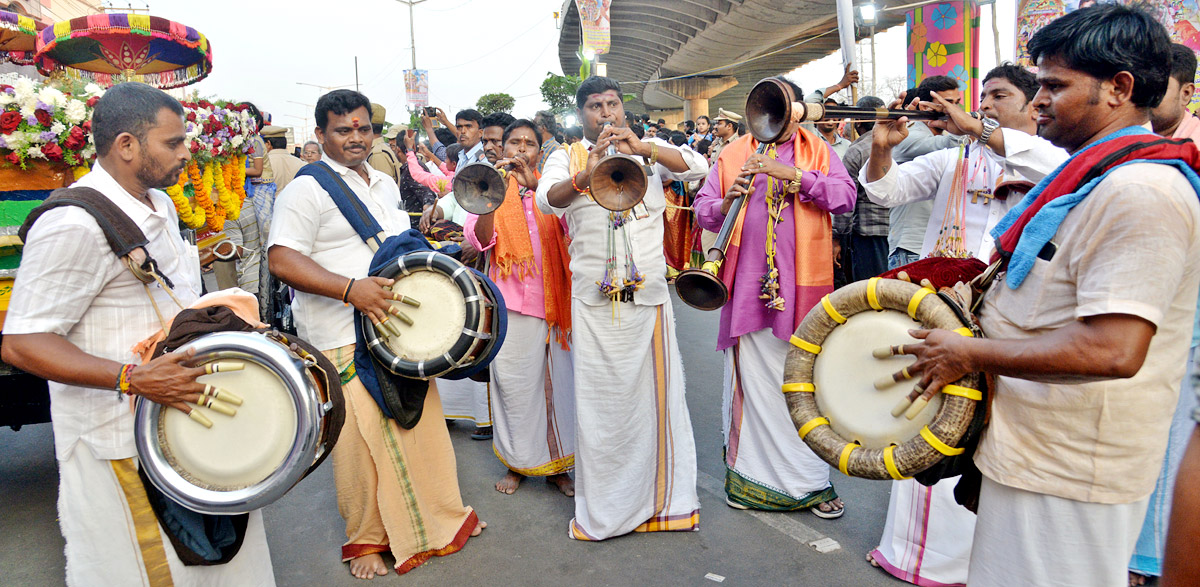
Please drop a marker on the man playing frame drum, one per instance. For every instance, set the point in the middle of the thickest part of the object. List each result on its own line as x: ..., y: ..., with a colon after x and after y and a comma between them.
x: 390, y: 481
x: 927, y: 536
x: 533, y: 383
x: 635, y: 458
x: 1088, y: 327
x: 76, y: 312
x: 797, y: 183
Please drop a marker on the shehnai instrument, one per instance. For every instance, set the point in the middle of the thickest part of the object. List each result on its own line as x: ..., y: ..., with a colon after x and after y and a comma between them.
x: 289, y: 412
x: 618, y: 182
x: 847, y: 385
x: 479, y: 188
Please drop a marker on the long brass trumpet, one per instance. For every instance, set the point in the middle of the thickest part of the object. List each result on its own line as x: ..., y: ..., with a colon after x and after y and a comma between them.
x: 618, y: 182
x: 480, y: 187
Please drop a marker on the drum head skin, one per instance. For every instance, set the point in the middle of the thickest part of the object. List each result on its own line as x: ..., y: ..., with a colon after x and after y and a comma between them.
x: 236, y: 452
x: 845, y: 376
x: 437, y: 323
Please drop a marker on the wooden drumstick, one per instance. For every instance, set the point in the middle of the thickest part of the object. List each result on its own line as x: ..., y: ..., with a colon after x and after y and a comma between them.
x: 400, y: 315
x: 199, y: 418
x: 403, y: 299
x: 223, y: 366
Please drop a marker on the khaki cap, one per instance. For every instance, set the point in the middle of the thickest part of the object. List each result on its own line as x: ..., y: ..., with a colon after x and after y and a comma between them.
x: 271, y: 132
x: 723, y: 114
x: 394, y: 131
x: 378, y: 114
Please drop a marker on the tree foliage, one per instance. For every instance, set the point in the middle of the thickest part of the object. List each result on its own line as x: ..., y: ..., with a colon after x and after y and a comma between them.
x: 491, y: 103
x: 559, y: 92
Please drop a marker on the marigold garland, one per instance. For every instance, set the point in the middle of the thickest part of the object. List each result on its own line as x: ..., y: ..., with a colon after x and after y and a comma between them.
x: 225, y: 196
x: 239, y: 179
x: 192, y: 217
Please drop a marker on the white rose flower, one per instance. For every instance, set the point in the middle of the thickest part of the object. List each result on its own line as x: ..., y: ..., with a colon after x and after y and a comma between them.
x: 58, y: 127
x: 35, y: 151
x: 237, y: 141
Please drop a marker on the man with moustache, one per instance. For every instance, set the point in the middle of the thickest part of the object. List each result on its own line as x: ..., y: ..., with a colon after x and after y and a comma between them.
x: 492, y: 135
x: 532, y: 386
x: 927, y: 536
x: 77, y: 310
x: 1088, y: 325
x: 635, y: 457
x: 397, y: 489
x: 469, y: 124
x: 546, y: 128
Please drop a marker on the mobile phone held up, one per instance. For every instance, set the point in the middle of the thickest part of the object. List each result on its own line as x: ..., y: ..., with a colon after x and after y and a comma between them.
x: 430, y: 111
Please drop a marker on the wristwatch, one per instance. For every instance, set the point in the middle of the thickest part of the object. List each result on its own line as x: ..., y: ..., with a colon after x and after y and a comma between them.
x: 989, y: 126
x: 793, y: 187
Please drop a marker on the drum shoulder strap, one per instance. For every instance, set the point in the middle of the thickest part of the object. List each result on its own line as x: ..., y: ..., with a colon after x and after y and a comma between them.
x: 121, y: 232
x: 346, y: 200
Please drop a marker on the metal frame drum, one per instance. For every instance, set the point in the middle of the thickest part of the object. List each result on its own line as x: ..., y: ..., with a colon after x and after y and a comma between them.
x: 316, y: 427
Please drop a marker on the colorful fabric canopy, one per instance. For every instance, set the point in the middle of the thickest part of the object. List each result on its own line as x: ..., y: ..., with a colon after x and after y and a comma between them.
x: 18, y: 37
x: 137, y: 47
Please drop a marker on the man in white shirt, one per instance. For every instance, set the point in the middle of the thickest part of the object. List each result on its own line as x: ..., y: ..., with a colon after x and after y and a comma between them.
x: 927, y: 536
x: 1089, y: 324
x: 397, y: 489
x: 76, y: 312
x: 635, y: 459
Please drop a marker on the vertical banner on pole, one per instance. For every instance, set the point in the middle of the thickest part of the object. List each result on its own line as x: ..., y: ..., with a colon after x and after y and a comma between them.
x: 593, y: 18
x: 845, y: 16
x: 943, y: 39
x: 416, y: 88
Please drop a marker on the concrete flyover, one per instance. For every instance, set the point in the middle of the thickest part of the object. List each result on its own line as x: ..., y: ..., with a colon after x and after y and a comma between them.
x: 658, y: 39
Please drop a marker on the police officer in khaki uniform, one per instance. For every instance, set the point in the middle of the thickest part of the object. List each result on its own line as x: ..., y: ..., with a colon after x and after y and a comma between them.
x: 283, y: 165
x: 382, y: 158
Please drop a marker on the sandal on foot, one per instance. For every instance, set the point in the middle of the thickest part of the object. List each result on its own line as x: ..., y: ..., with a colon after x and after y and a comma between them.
x: 735, y: 505
x: 482, y: 433
x: 831, y: 515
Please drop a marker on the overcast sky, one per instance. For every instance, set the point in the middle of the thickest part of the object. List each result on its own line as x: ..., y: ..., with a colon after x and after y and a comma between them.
x: 263, y: 49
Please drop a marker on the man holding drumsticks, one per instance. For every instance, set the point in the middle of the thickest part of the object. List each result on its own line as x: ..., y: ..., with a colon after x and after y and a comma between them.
x: 76, y: 312
x: 397, y: 489
x: 1089, y: 325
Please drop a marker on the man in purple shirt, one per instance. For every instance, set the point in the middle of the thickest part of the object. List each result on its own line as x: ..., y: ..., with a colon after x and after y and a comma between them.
x: 797, y: 184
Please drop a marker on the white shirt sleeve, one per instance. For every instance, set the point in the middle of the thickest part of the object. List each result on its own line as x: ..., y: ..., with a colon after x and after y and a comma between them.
x: 1031, y: 157
x: 697, y: 164
x: 914, y: 181
x: 62, y: 271
x: 556, y: 170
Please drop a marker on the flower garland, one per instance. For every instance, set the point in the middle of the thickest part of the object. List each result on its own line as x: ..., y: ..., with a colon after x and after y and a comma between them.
x: 192, y: 217
x: 239, y: 179
x: 226, y: 196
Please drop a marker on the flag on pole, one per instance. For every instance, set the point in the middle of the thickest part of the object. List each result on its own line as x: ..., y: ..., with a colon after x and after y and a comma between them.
x: 593, y: 18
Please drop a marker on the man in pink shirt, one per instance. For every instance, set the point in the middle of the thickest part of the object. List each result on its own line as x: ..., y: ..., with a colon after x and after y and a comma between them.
x: 532, y: 391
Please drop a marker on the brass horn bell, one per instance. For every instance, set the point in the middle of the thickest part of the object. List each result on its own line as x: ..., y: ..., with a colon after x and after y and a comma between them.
x: 479, y: 188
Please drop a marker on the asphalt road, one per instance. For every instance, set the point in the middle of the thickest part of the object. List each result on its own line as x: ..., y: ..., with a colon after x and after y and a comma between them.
x: 526, y: 540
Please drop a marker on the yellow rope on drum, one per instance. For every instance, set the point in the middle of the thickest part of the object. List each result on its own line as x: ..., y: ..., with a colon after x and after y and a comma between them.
x: 937, y: 443
x: 810, y: 425
x: 845, y: 458
x: 872, y: 297
x: 960, y: 391
x: 833, y: 313
x: 805, y: 346
x: 964, y: 331
x: 915, y: 301
x: 795, y: 387
x: 889, y: 461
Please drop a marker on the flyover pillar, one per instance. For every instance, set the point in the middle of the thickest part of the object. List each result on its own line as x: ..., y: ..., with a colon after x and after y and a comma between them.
x: 696, y: 91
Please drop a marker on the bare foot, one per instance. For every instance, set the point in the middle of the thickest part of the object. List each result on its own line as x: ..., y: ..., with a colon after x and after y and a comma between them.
x: 508, y: 484
x: 871, y: 560
x: 563, y: 482
x: 1136, y: 579
x: 367, y: 566
x: 478, y: 528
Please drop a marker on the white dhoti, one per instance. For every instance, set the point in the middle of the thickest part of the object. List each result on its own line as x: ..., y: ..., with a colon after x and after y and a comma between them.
x: 767, y: 466
x: 635, y: 463
x: 1026, y: 538
x: 927, y: 536
x: 533, y: 400
x: 113, y: 537
x: 464, y: 399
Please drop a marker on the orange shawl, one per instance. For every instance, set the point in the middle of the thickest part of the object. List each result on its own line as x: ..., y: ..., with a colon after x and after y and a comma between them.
x: 814, y: 228
x: 514, y: 252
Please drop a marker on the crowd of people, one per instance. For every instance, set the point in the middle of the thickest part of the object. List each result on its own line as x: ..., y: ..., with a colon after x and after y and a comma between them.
x: 1080, y: 180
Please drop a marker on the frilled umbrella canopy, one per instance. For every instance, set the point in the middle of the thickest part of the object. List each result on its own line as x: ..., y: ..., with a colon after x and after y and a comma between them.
x: 133, y: 47
x: 18, y: 37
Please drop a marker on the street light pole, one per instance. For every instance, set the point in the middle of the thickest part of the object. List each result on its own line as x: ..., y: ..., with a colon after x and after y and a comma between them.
x: 412, y: 28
